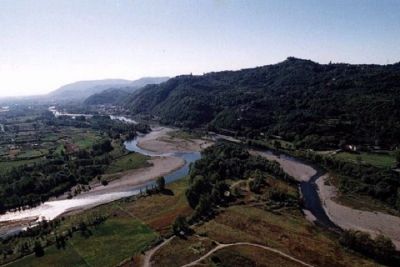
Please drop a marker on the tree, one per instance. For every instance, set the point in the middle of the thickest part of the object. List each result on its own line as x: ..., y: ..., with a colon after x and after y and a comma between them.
x: 160, y: 183
x: 397, y: 154
x: 85, y: 232
x: 60, y: 242
x: 398, y: 199
x: 205, y: 205
x: 257, y: 182
x: 38, y: 249
x: 180, y: 226
x: 381, y: 248
x: 198, y: 186
x: 384, y: 247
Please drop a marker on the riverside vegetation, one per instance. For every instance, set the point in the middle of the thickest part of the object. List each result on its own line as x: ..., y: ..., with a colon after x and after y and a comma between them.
x: 72, y: 152
x: 262, y: 207
x: 297, y: 105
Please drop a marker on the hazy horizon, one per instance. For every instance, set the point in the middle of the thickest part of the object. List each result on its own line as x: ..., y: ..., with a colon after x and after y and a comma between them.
x: 46, y: 44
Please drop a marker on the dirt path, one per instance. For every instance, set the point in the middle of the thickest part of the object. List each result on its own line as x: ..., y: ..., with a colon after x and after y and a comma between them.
x: 149, y: 254
x: 222, y: 246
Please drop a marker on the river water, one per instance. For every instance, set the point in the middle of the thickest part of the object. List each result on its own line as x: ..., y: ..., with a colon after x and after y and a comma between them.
x: 57, y: 113
x: 307, y: 175
x: 309, y: 192
x: 51, y: 209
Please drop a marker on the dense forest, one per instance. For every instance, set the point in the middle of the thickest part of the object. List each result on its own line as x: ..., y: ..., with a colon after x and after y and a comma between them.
x: 226, y: 162
x: 313, y: 105
x: 108, y: 97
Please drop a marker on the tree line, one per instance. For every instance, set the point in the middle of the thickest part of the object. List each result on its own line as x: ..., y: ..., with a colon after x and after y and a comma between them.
x: 319, y: 106
x: 31, y: 184
x: 220, y: 162
x: 378, y: 183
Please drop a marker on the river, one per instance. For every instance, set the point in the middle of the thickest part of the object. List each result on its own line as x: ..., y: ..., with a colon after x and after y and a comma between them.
x: 51, y: 209
x: 57, y: 113
x: 306, y: 175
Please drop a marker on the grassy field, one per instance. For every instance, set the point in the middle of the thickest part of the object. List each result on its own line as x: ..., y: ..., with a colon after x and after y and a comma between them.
x: 378, y: 160
x: 132, y: 226
x: 53, y: 257
x: 6, y: 166
x: 85, y: 139
x: 113, y: 241
x: 286, y: 231
x: 50, y: 137
x: 23, y: 152
x: 159, y: 211
x: 251, y: 220
x: 248, y: 256
x: 128, y: 162
x: 32, y: 153
x: 189, y: 250
x: 118, y: 238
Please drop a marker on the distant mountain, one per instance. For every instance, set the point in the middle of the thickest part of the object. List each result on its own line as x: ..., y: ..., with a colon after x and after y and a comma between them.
x: 115, y: 95
x: 83, y: 89
x: 313, y: 105
x: 109, y: 96
x: 148, y: 80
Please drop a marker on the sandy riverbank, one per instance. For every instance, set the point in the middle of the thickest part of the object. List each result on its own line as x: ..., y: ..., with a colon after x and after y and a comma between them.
x: 349, y: 218
x: 99, y: 194
x: 343, y: 216
x: 299, y: 171
x: 161, y: 166
x: 160, y: 141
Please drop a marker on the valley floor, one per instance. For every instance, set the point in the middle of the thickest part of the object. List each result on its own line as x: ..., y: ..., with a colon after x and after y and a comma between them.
x: 244, y: 234
x: 343, y: 216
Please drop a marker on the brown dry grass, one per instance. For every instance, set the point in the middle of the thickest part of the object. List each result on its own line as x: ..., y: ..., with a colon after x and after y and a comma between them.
x: 249, y: 256
x: 286, y: 230
x: 181, y: 251
x: 289, y: 232
x: 160, y: 211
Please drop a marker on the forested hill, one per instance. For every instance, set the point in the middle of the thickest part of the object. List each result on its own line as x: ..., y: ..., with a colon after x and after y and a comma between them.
x: 313, y: 104
x: 110, y: 96
x: 114, y: 95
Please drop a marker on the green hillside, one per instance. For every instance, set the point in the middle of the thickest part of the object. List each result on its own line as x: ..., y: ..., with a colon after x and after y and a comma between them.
x: 310, y: 104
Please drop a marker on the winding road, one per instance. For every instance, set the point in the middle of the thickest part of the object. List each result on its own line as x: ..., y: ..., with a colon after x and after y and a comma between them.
x: 222, y: 246
x: 149, y: 254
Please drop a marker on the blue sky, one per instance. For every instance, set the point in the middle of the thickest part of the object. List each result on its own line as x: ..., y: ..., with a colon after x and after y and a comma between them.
x: 48, y: 43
